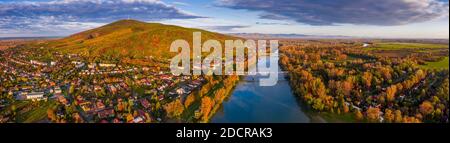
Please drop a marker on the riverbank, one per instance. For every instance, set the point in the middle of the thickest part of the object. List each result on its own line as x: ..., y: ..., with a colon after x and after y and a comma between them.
x: 216, y: 91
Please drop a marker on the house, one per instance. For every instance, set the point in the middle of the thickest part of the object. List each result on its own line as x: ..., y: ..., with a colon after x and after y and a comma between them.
x: 139, y: 119
x: 57, y: 90
x: 381, y: 115
x: 166, y: 77
x: 107, y: 65
x: 33, y: 62
x: 34, y: 96
x: 197, y: 82
x: 62, y: 100
x: 117, y: 120
x: 112, y: 89
x: 124, y: 86
x: 60, y: 111
x: 76, y: 62
x: 368, y: 44
x: 145, y: 103
x: 151, y: 92
x: 180, y: 91
x: 86, y: 106
x: 100, y: 105
x: 79, y: 64
x: 97, y: 88
x: 161, y: 97
x: 356, y: 107
x: 197, y: 114
x: 91, y: 66
x: 53, y: 63
x: 106, y: 113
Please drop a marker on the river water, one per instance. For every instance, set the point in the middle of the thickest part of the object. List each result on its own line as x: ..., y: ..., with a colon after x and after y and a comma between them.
x: 252, y: 103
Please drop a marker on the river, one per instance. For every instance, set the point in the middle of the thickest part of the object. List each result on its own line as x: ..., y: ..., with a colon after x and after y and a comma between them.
x: 252, y: 103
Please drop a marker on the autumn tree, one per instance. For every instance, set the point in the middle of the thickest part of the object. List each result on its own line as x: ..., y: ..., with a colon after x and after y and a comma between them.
x: 389, y: 116
x: 358, y: 115
x: 373, y: 114
x: 398, y: 116
x: 318, y: 88
x: 129, y: 118
x: 174, y: 109
x: 390, y: 93
x: 347, y: 87
x: 206, y: 107
x: 189, y: 100
x: 367, y: 79
x: 318, y: 105
x: 345, y: 108
x: 386, y: 73
x: 426, y: 108
x: 148, y: 118
x: 51, y: 114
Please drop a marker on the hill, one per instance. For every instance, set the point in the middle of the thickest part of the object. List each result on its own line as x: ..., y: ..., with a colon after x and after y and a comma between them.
x: 129, y: 39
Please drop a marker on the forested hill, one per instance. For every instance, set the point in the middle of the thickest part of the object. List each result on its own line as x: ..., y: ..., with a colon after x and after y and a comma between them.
x: 129, y: 38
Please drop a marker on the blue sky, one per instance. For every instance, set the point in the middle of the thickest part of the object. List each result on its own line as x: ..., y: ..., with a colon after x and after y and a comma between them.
x: 360, y: 18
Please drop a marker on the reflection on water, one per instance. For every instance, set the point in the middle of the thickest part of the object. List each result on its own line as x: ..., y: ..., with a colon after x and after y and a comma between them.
x: 252, y: 103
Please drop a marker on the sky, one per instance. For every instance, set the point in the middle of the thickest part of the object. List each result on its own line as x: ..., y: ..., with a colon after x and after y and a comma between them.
x: 358, y: 18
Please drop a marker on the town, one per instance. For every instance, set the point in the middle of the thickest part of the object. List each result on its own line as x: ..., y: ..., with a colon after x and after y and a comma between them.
x: 68, y: 88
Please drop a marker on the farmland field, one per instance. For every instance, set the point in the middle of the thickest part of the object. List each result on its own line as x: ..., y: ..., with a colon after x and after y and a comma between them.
x: 398, y: 46
x: 443, y: 64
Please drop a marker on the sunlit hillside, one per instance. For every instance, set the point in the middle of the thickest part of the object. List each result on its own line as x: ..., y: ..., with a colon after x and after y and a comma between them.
x: 129, y: 38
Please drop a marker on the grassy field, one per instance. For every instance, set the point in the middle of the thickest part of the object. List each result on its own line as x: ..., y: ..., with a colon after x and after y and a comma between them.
x: 399, y: 46
x: 36, y: 114
x: 443, y: 64
x: 338, y: 118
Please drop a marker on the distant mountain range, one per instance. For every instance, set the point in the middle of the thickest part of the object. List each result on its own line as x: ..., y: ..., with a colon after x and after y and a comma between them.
x: 28, y: 38
x: 287, y: 36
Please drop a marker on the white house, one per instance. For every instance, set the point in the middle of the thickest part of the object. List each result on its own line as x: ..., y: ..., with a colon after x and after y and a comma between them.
x: 91, y: 66
x: 180, y: 91
x: 366, y: 45
x: 34, y: 96
x: 107, y: 65
x: 58, y: 90
x: 37, y: 63
x: 79, y: 65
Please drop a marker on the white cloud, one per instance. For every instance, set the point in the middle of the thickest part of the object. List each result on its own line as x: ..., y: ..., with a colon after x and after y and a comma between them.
x: 213, y: 24
x: 331, y: 12
x: 71, y: 14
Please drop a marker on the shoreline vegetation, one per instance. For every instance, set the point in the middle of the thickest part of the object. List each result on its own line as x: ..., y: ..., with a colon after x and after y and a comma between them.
x: 202, y: 105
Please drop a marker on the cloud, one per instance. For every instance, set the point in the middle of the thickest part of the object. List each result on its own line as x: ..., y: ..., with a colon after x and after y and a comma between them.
x: 331, y: 12
x: 272, y: 16
x: 64, y: 14
x: 210, y: 23
x: 227, y: 28
x: 272, y: 23
x: 180, y: 3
